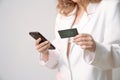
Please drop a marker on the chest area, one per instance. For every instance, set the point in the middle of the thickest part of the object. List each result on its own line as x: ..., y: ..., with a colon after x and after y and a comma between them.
x: 90, y: 24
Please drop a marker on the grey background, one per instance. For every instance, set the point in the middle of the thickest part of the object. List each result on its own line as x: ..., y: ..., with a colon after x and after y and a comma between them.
x: 18, y: 58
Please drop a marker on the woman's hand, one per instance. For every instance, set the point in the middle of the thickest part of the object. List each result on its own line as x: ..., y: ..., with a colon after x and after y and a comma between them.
x: 43, y: 48
x: 86, y: 42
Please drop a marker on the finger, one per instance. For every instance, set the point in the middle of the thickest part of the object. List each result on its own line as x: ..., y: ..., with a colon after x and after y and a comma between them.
x: 42, y: 44
x: 90, y: 48
x: 85, y: 43
x: 38, y: 41
x: 86, y: 47
x: 44, y: 48
x: 82, y: 38
x: 81, y: 35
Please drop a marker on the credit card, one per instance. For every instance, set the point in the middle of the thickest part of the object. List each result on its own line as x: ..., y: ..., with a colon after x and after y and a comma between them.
x: 68, y: 33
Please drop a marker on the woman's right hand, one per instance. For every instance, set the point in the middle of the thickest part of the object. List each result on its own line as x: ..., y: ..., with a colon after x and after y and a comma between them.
x: 42, y: 47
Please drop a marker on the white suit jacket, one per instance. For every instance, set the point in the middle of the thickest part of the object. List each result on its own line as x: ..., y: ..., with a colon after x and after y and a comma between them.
x: 102, y: 21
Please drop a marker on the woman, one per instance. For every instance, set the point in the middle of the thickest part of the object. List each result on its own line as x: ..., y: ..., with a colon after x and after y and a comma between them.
x: 95, y: 51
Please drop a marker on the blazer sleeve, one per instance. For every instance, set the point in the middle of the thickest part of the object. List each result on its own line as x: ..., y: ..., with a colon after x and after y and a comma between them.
x: 107, y: 54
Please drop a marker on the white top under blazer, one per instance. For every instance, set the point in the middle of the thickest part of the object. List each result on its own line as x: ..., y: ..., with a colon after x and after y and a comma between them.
x: 102, y: 21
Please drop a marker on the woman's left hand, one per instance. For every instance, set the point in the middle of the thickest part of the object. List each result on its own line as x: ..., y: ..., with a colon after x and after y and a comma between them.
x: 86, y: 41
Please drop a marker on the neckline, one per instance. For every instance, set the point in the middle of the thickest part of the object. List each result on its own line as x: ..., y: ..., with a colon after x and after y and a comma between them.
x: 81, y: 20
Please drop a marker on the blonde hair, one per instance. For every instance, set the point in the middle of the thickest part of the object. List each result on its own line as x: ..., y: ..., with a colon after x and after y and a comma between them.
x: 67, y: 6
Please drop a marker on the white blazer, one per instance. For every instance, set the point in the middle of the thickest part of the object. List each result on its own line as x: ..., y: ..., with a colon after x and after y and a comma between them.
x: 102, y: 21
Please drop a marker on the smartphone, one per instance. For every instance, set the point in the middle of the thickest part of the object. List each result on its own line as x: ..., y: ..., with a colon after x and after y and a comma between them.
x: 37, y: 35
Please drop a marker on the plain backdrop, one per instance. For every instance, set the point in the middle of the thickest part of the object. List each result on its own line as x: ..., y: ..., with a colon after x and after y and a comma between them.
x: 19, y: 59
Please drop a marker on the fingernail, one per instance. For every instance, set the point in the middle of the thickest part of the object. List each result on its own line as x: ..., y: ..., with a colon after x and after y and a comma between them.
x: 39, y: 38
x: 47, y: 41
